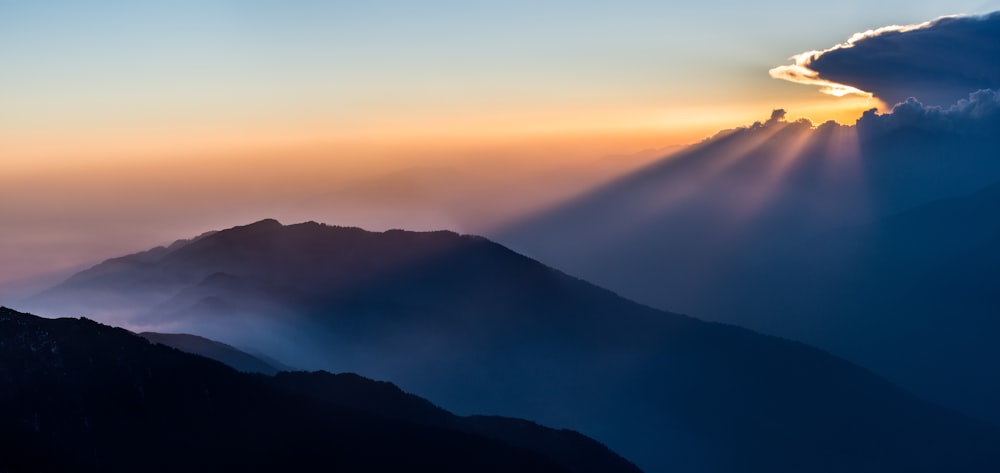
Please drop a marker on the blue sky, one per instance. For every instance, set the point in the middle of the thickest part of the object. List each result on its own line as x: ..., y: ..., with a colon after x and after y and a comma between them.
x: 395, y: 62
x: 157, y: 120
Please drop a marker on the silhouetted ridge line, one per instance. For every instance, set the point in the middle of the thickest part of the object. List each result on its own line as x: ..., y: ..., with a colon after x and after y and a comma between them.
x: 211, y: 349
x: 478, y: 328
x: 76, y: 395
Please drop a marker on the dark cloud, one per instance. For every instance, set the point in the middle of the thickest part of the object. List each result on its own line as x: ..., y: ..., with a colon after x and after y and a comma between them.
x: 976, y: 115
x: 937, y: 62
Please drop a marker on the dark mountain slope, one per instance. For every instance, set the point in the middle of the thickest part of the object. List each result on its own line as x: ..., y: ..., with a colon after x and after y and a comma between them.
x: 566, y: 448
x: 212, y: 349
x: 479, y: 328
x: 76, y: 395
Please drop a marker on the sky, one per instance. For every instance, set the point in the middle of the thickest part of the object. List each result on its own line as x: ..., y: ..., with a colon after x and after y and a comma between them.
x: 124, y: 125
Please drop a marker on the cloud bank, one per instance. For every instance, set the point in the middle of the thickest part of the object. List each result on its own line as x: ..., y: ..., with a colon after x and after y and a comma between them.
x: 937, y: 62
x: 979, y: 114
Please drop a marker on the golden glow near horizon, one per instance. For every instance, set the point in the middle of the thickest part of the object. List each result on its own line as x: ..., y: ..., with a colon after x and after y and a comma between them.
x: 377, y: 143
x: 127, y: 124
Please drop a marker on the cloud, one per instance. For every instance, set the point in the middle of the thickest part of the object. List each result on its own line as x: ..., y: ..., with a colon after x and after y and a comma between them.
x: 979, y: 114
x: 936, y: 62
x: 800, y: 73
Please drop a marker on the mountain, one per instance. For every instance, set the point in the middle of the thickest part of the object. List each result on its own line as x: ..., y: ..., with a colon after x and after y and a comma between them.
x: 564, y: 447
x: 76, y: 395
x: 218, y: 351
x: 823, y: 234
x: 922, y: 281
x: 479, y: 328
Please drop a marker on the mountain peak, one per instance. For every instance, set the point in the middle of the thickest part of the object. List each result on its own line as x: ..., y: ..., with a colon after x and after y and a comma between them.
x: 265, y: 223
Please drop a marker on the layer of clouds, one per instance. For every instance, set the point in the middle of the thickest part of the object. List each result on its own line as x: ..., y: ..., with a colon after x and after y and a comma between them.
x: 979, y: 114
x: 937, y: 62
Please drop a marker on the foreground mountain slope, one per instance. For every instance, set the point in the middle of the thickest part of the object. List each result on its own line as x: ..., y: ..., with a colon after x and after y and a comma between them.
x: 566, y: 448
x: 479, y: 328
x: 76, y: 395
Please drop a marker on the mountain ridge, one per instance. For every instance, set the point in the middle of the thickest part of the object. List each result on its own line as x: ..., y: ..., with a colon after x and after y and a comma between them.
x: 111, y: 401
x: 477, y: 327
x: 231, y: 356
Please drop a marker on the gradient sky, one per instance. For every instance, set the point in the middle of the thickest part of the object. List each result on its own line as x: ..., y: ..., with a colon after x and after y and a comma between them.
x: 128, y: 124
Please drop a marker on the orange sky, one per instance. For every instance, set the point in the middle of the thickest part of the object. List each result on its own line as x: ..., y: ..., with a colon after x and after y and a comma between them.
x: 125, y: 125
x: 70, y: 187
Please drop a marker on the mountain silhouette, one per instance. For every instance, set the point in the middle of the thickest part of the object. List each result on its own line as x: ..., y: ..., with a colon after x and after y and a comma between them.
x: 479, y: 328
x: 805, y: 232
x: 218, y: 351
x: 566, y: 448
x: 76, y: 395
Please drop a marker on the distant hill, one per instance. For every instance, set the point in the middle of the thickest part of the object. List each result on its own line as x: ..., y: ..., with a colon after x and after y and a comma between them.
x: 76, y: 395
x: 924, y: 282
x: 218, y: 351
x: 479, y: 328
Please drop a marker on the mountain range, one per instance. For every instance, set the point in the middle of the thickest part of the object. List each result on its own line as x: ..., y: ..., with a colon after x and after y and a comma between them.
x: 477, y: 327
x: 76, y: 395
